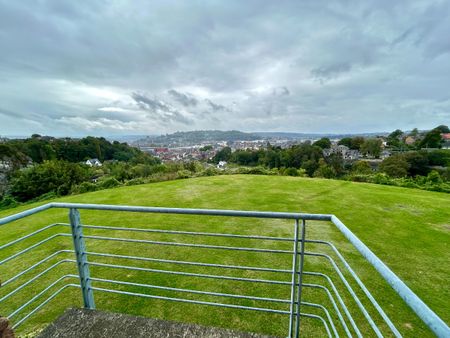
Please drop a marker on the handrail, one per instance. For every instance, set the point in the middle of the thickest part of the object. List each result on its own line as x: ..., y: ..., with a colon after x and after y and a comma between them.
x: 163, y: 210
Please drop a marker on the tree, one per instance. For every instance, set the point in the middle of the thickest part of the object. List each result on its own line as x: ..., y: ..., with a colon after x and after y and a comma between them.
x: 336, y: 161
x: 222, y: 155
x: 372, y: 147
x: 323, y: 143
x: 357, y: 142
x: 432, y: 139
x: 346, y: 141
x: 50, y: 176
x: 361, y: 167
x: 395, y: 166
x: 418, y: 163
x: 394, y: 138
x: 443, y: 129
x: 414, y: 132
x: 325, y: 170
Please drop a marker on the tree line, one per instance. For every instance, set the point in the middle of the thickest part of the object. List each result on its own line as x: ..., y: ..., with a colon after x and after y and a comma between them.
x: 42, y: 165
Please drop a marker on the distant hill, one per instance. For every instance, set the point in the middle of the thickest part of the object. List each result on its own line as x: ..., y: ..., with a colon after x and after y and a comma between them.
x: 302, y: 136
x: 195, y: 137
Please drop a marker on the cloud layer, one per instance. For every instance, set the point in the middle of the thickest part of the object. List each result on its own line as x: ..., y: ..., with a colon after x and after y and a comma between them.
x: 129, y: 67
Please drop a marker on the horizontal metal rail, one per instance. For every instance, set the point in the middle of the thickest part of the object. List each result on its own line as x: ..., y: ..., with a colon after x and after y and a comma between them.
x: 7, y: 259
x: 190, y: 233
x: 187, y: 211
x: 190, y: 245
x: 35, y: 266
x: 172, y: 261
x: 208, y: 293
x: 36, y: 277
x: 191, y: 274
x: 199, y: 302
x: 28, y: 236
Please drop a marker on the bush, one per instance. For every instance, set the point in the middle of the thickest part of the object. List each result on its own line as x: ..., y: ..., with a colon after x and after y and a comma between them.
x: 108, y: 183
x: 434, y: 177
x: 85, y: 187
x: 210, y: 171
x: 395, y: 166
x: 8, y: 202
x: 50, y: 176
x: 136, y: 181
x: 48, y: 196
x: 183, y: 174
x: 291, y: 172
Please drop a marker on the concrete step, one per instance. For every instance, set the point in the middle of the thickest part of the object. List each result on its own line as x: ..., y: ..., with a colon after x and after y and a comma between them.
x: 83, y: 323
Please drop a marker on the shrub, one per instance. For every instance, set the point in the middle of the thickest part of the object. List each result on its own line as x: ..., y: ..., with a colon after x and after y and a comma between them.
x: 291, y: 172
x: 85, y: 187
x: 395, y: 166
x: 109, y: 182
x: 183, y: 173
x: 8, y: 202
x: 135, y: 181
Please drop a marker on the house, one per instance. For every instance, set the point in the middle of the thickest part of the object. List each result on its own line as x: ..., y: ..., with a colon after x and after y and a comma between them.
x: 409, y: 140
x: 385, y: 154
x: 344, y: 151
x: 446, y: 145
x: 221, y: 165
x: 94, y: 162
x: 6, y: 164
x: 446, y: 136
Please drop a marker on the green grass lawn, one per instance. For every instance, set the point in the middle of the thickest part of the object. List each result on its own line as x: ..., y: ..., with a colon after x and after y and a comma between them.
x: 408, y: 229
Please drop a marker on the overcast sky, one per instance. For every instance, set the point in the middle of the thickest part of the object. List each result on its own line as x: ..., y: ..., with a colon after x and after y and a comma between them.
x: 151, y: 67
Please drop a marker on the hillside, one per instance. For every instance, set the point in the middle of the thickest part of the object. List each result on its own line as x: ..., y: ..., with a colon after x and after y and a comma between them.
x: 188, y: 138
x: 408, y: 229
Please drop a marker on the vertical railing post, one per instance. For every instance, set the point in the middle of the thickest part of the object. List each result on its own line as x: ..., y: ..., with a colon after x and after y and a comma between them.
x: 293, y: 308
x: 80, y: 253
x: 300, y: 277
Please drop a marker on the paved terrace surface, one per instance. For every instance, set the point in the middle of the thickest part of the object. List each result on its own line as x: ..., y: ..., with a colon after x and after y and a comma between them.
x: 83, y: 323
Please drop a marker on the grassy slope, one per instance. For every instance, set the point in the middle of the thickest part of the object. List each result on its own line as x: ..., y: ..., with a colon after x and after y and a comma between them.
x: 408, y: 229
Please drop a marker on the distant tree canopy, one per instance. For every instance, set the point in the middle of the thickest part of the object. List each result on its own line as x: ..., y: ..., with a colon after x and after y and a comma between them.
x: 443, y: 129
x: 323, y: 143
x: 222, y: 155
x: 352, y: 142
x: 395, y: 166
x: 433, y: 138
x: 395, y: 139
x: 42, y: 148
x: 371, y: 147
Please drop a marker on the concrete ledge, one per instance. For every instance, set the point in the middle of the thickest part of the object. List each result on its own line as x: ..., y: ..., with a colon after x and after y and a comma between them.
x: 83, y: 323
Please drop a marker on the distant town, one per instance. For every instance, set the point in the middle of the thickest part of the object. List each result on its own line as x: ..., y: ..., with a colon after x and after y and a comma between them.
x: 204, y: 145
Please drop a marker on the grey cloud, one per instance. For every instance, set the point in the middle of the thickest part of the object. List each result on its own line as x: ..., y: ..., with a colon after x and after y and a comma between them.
x: 215, y: 106
x: 331, y: 71
x: 185, y: 99
x: 160, y: 110
x: 281, y: 91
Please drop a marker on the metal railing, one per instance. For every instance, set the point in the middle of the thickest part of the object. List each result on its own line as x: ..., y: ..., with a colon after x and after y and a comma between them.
x: 340, y: 318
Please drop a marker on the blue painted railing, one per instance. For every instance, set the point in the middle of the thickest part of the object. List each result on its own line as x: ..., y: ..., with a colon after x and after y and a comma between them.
x: 337, y: 320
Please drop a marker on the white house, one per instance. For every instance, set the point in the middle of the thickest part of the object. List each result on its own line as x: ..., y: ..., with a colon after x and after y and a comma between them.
x: 94, y: 162
x: 221, y: 165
